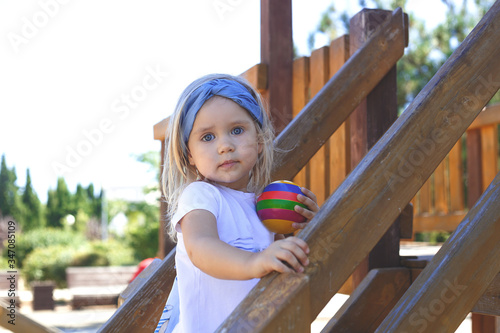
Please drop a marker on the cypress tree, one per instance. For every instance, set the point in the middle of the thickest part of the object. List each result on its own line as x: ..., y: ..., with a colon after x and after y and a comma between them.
x: 32, y: 217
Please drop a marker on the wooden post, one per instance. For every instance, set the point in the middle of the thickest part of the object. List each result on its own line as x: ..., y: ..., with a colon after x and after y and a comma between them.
x: 277, y: 54
x: 480, y: 323
x: 369, y: 121
x: 382, y: 184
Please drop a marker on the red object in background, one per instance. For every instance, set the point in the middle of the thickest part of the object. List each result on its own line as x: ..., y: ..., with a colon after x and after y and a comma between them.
x: 142, y: 265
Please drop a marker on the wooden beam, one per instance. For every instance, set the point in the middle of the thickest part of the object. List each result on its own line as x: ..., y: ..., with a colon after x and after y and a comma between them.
x: 383, y: 183
x: 22, y: 323
x: 489, y: 303
x: 344, y: 91
x: 257, y: 76
x: 277, y: 54
x: 489, y: 116
x: 431, y: 222
x: 452, y: 283
x: 368, y: 122
x: 160, y: 129
x: 144, y: 305
x: 371, y: 301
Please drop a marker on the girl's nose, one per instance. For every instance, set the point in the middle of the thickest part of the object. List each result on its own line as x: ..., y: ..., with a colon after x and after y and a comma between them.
x: 225, y: 145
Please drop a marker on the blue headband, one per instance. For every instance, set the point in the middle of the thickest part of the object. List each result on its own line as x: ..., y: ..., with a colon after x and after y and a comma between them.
x: 231, y: 89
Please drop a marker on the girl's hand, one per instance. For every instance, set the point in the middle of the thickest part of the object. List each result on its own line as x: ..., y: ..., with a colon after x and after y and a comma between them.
x: 292, y: 251
x: 309, y: 199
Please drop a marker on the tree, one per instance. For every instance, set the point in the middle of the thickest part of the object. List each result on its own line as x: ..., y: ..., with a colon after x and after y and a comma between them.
x: 10, y: 203
x: 59, y: 204
x: 32, y: 217
x: 427, y: 50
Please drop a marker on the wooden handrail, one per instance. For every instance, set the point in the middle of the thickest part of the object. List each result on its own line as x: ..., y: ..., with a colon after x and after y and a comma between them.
x: 457, y: 276
x: 338, y: 98
x: 321, y: 116
x: 354, y: 218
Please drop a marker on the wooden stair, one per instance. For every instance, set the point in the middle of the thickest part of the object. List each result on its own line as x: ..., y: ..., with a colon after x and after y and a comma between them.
x: 355, y: 217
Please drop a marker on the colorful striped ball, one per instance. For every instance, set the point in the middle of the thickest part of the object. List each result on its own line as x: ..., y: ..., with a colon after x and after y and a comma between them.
x: 275, y: 206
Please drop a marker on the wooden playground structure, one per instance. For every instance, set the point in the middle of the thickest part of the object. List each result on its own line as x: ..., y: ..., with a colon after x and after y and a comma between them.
x: 366, y: 166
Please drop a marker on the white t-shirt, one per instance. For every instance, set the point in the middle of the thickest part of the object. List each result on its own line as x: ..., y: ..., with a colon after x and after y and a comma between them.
x: 205, y: 302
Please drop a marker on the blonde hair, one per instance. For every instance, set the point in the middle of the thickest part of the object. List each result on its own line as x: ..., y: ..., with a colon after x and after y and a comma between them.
x: 178, y: 173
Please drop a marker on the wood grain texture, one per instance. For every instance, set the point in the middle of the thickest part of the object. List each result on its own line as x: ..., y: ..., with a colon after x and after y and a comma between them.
x: 371, y: 301
x: 319, y: 164
x: 452, y: 283
x: 144, y: 305
x: 389, y: 175
x: 22, y: 323
x: 489, y: 116
x: 300, y: 97
x: 340, y: 141
x: 342, y: 93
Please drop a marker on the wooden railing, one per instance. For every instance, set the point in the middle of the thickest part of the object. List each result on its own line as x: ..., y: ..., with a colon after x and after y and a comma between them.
x: 441, y: 203
x: 369, y: 199
x: 374, y: 193
x: 304, y: 136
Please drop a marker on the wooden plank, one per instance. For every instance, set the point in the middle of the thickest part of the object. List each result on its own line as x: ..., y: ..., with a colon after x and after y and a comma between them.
x: 300, y: 141
x: 319, y: 165
x: 489, y: 303
x: 456, y: 176
x: 425, y: 198
x: 484, y: 324
x: 454, y: 280
x: 474, y: 168
x: 440, y: 190
x: 22, y: 323
x: 371, y: 301
x: 342, y: 93
x: 489, y: 153
x: 340, y: 142
x: 449, y: 222
x: 489, y: 116
x: 368, y: 122
x: 406, y: 222
x: 256, y: 76
x: 378, y: 187
x: 277, y: 53
x: 160, y: 129
x: 144, y: 306
x: 300, y: 99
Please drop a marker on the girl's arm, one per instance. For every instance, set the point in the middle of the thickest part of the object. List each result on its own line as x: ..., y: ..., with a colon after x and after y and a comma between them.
x: 223, y: 261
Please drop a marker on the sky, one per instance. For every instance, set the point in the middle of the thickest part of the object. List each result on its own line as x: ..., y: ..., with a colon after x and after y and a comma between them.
x: 84, y: 82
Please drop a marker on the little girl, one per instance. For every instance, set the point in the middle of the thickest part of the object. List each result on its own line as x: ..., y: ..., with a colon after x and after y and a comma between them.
x: 219, y: 157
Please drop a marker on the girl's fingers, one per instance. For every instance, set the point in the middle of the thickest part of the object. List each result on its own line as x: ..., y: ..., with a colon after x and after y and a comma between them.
x: 309, y: 194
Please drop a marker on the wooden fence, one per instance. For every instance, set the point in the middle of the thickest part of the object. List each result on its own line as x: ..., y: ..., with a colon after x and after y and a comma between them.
x: 289, y: 302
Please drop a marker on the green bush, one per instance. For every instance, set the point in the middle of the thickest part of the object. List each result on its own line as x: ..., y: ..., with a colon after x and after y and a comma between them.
x: 50, y: 263
x: 42, y: 238
x: 104, y: 253
x: 432, y: 237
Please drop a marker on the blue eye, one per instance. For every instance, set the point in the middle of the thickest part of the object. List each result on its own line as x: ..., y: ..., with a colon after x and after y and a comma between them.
x: 207, y: 137
x: 237, y: 131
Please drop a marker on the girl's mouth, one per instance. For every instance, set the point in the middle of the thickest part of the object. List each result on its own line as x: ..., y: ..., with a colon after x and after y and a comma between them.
x: 228, y: 164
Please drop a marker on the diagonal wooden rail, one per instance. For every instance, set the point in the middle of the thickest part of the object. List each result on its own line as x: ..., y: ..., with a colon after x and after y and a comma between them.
x: 354, y: 218
x: 302, y: 138
x: 446, y: 291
